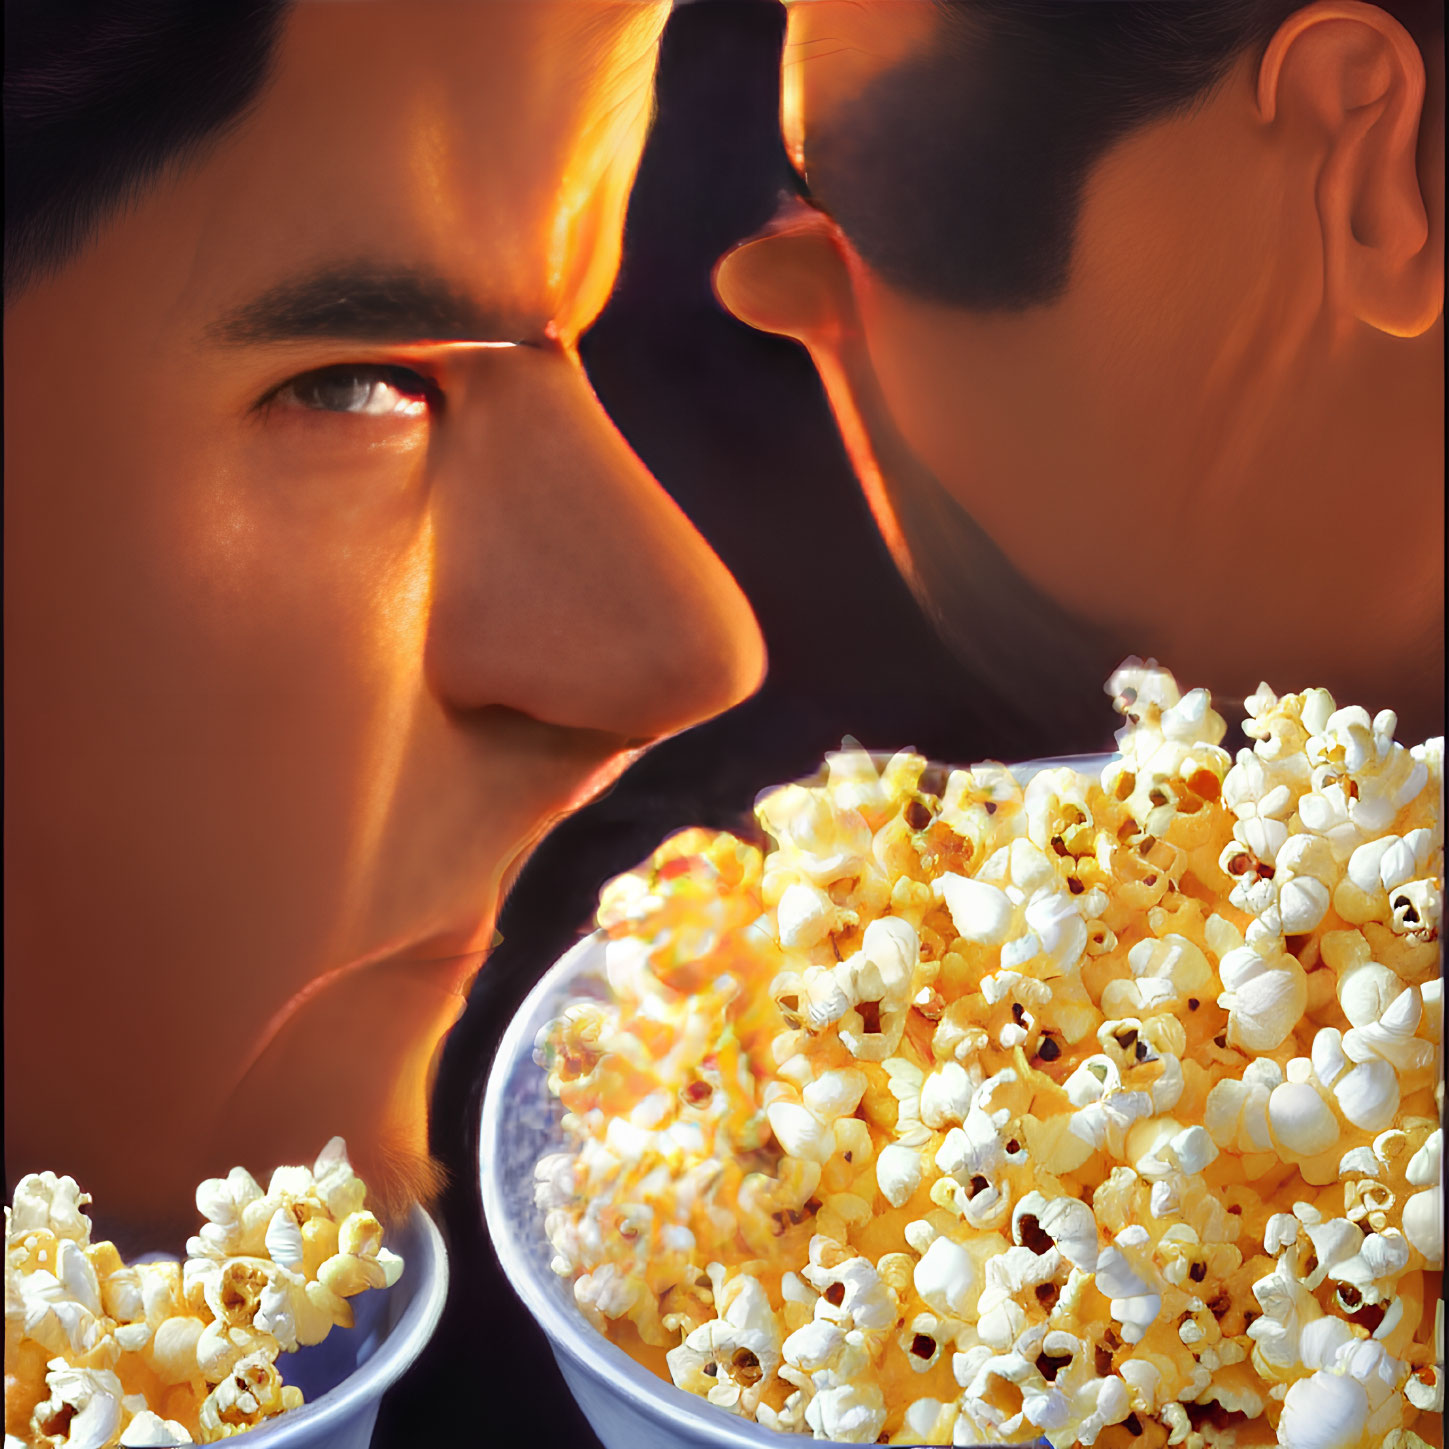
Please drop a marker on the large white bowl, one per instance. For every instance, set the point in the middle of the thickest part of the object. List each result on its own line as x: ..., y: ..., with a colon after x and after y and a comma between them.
x: 628, y: 1407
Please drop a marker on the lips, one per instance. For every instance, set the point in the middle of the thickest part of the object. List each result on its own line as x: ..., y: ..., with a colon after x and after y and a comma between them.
x: 474, y: 933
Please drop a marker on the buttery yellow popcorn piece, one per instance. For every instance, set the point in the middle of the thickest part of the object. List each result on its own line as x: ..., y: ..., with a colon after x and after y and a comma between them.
x: 1095, y: 1109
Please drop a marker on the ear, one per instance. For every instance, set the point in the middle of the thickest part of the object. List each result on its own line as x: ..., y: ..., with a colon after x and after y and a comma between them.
x: 792, y: 278
x: 1346, y: 79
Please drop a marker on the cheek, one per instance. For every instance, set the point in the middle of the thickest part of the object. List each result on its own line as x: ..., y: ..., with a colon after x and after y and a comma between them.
x: 1036, y: 424
x: 971, y: 395
x: 208, y: 658
x: 298, y: 549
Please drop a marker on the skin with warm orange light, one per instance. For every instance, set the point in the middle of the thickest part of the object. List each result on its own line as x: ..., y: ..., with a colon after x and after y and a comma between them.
x: 1223, y: 443
x: 298, y: 670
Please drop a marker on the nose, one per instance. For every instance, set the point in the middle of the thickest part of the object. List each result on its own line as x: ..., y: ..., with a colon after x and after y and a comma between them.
x: 567, y: 584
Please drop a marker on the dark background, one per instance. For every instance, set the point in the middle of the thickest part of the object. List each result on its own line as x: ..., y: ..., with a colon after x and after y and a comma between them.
x: 735, y: 425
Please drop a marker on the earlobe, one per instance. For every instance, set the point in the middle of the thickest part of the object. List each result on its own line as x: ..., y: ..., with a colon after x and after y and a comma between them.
x: 792, y: 279
x: 1348, y: 81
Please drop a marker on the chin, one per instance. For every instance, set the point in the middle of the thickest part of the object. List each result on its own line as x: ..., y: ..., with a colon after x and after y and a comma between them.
x: 354, y: 1060
x: 398, y: 1173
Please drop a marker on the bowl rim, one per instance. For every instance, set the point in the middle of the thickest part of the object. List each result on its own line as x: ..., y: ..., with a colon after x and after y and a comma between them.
x: 576, y: 1337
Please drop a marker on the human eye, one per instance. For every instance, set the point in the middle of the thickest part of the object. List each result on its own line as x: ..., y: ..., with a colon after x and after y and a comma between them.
x: 370, y: 390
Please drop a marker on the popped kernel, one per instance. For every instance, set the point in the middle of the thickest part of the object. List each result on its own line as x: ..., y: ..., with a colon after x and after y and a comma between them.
x: 1099, y: 1108
x: 98, y: 1353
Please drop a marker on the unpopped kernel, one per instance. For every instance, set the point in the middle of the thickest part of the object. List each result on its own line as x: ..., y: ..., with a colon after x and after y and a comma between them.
x: 99, y: 1353
x: 1104, y: 1110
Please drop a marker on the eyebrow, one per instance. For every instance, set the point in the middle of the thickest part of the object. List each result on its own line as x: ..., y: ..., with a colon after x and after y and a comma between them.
x: 362, y: 302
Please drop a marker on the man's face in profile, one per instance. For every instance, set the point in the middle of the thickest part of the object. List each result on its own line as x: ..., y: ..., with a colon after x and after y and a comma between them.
x: 329, y: 587
x: 1128, y: 353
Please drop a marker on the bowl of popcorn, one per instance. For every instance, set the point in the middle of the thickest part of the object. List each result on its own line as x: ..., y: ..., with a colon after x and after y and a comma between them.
x: 1092, y: 1102
x: 287, y: 1320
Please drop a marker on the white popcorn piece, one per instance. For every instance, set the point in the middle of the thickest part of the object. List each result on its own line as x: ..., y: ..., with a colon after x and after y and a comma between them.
x: 805, y: 916
x: 1324, y: 1411
x: 855, y: 783
x: 823, y: 843
x: 1136, y: 1313
x: 1066, y: 1221
x: 1264, y: 998
x: 335, y: 1183
x: 898, y: 1172
x: 1170, y: 969
x: 813, y: 1346
x: 148, y: 1428
x: 1426, y: 1166
x: 49, y: 1314
x: 1391, y: 1036
x: 1300, y: 1120
x: 945, y: 1277
x: 1329, y: 1061
x: 864, y: 1302
x: 284, y: 1239
x: 743, y: 1345
x: 84, y: 1405
x: 800, y: 1132
x: 980, y: 912
x: 835, y: 1093
x: 928, y: 1420
x: 1368, y: 1096
x: 1424, y: 1224
x: 223, y: 1201
x: 945, y: 1096
x: 1116, y: 1278
x: 1417, y: 909
x: 1194, y: 1149
x: 249, y: 1393
x: 1053, y: 917
x: 1432, y: 994
x: 847, y: 1414
x: 46, y: 1202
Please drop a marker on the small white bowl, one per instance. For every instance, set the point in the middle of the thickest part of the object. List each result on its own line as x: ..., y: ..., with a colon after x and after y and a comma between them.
x: 628, y: 1407
x: 345, y: 1376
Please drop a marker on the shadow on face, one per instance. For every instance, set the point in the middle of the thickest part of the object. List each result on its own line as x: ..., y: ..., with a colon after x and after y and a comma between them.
x: 1119, y: 311
x: 329, y: 587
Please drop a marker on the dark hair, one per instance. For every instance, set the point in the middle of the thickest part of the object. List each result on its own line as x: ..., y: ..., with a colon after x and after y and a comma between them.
x: 958, y: 175
x: 102, y: 95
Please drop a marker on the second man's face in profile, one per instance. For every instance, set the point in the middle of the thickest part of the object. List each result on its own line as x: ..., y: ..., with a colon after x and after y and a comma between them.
x: 1133, y: 382
x: 330, y: 588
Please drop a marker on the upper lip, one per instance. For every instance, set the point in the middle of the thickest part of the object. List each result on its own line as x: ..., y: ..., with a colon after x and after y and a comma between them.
x: 471, y: 929
x: 598, y: 783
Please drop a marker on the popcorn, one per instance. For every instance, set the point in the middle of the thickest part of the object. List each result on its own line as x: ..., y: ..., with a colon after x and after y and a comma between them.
x: 981, y: 913
x: 978, y: 1115
x: 88, y: 1338
x: 46, y: 1203
x: 149, y: 1428
x: 945, y: 1276
x: 1300, y: 1120
x: 898, y: 1171
x: 730, y: 1358
x: 1265, y: 997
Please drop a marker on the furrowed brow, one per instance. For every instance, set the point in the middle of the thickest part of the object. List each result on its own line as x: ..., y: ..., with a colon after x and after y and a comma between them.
x: 363, y: 303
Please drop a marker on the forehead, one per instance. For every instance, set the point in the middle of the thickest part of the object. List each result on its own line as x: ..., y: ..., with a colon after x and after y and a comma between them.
x: 474, y: 138
x: 834, y: 49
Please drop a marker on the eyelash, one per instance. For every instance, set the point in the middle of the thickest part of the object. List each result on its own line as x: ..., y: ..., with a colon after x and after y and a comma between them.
x: 404, y: 380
